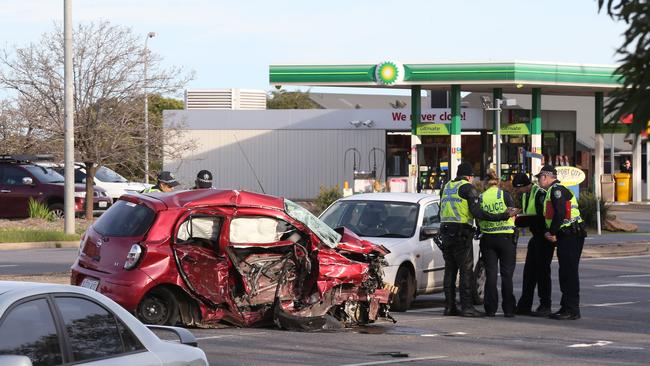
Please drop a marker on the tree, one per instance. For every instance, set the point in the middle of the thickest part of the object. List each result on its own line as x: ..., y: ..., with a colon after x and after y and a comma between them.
x: 282, y: 99
x: 108, y: 68
x: 634, y: 96
x: 157, y: 104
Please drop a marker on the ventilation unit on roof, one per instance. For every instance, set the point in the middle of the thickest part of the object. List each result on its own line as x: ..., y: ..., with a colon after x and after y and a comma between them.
x: 225, y: 99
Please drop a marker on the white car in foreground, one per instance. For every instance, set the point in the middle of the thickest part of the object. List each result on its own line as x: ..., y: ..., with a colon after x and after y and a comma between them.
x: 47, y: 324
x: 404, y: 223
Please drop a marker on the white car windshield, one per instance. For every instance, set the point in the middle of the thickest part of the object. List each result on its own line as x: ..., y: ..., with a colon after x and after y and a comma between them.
x: 374, y: 218
x: 105, y: 174
x: 325, y: 233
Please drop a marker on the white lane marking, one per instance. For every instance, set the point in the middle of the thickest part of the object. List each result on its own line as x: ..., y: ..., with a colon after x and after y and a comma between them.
x: 457, y: 333
x: 606, y: 258
x: 597, y: 344
x: 599, y: 258
x: 634, y: 276
x: 429, y: 335
x: 614, y: 303
x: 8, y: 265
x: 404, y: 360
x: 631, y: 284
x: 228, y: 336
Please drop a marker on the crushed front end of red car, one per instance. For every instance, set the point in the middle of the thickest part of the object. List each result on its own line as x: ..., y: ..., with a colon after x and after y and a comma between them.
x: 348, y: 288
x: 206, y: 256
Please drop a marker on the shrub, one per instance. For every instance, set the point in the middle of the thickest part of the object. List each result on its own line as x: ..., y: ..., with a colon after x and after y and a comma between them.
x: 326, y: 197
x: 38, y: 210
x: 587, y: 205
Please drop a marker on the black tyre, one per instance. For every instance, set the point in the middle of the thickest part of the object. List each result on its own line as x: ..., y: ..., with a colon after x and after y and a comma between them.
x: 479, y: 282
x: 406, y: 289
x: 158, y: 307
x: 57, y: 210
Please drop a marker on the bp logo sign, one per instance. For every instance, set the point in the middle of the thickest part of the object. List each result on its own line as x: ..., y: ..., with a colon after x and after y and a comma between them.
x: 389, y: 73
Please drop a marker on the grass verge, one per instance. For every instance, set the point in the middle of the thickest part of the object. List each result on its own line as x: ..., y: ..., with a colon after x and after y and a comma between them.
x: 28, y: 235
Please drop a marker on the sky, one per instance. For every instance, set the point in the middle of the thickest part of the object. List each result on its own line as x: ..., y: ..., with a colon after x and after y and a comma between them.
x: 230, y: 44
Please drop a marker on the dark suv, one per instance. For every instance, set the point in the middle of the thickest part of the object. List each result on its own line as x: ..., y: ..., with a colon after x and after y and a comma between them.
x: 20, y: 180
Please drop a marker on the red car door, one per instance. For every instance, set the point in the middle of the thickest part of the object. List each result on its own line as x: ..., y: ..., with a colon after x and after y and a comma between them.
x: 200, y: 262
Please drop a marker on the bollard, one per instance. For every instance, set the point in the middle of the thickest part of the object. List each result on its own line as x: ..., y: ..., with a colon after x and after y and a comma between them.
x: 598, y: 214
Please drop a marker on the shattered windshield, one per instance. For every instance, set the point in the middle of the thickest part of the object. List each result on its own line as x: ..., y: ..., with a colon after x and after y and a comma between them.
x: 326, y: 234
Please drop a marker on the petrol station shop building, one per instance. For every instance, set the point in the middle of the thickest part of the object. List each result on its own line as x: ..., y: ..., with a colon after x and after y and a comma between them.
x: 558, y: 114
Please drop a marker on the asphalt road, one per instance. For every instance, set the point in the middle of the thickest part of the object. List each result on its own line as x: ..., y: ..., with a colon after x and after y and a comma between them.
x: 614, y: 330
x: 35, y: 261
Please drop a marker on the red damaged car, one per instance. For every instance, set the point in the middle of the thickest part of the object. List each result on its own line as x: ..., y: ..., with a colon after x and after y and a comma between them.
x: 206, y: 256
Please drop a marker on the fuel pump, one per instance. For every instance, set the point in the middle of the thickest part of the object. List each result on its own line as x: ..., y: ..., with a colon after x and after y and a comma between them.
x: 426, y: 178
x: 363, y: 181
x: 432, y: 172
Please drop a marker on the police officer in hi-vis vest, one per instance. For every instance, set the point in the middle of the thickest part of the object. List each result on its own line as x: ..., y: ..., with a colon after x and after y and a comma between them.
x: 459, y: 205
x: 498, y: 247
x: 539, y: 253
x: 166, y: 183
x: 565, y: 227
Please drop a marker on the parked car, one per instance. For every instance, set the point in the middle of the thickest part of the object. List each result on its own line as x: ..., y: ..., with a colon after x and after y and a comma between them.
x: 108, y: 179
x: 47, y: 324
x: 403, y: 223
x: 21, y: 179
x: 207, y: 256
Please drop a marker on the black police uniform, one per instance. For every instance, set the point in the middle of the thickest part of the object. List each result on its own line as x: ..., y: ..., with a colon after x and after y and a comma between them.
x: 570, y: 241
x: 537, y: 268
x: 499, y: 252
x: 458, y: 254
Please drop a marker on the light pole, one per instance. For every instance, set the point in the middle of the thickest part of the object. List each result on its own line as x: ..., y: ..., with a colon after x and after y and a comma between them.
x: 68, y: 189
x: 146, y: 111
x: 488, y: 106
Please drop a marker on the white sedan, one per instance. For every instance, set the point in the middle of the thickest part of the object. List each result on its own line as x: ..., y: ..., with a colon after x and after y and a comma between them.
x: 47, y: 324
x: 404, y: 223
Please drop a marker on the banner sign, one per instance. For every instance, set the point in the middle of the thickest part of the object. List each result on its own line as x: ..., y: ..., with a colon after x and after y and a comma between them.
x: 569, y: 175
x: 515, y: 129
x: 432, y: 129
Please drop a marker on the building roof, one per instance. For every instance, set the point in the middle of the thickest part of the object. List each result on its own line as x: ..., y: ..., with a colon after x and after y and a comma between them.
x: 512, y: 77
x: 363, y: 101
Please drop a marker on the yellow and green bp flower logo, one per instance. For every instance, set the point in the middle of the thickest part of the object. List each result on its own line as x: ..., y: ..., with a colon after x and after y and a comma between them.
x: 388, y: 73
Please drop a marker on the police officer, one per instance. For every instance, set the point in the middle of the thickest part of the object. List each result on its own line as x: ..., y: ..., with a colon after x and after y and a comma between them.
x: 539, y: 254
x: 565, y: 227
x: 498, y: 247
x: 166, y: 182
x: 203, y: 180
x: 459, y: 206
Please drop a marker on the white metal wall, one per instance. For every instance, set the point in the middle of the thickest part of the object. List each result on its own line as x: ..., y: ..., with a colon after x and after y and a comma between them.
x: 289, y: 163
